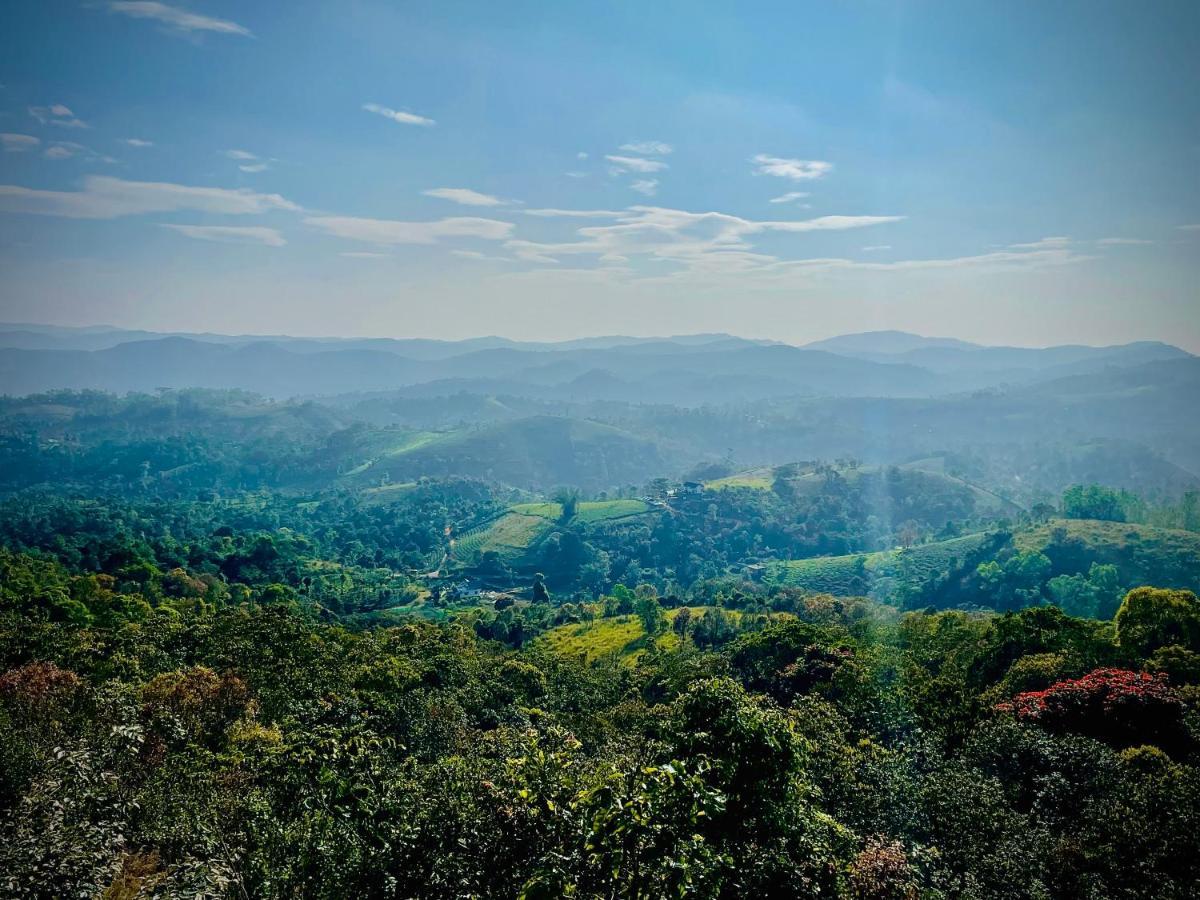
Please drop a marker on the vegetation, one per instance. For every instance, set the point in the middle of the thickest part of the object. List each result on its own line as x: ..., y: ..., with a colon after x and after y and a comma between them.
x: 250, y: 674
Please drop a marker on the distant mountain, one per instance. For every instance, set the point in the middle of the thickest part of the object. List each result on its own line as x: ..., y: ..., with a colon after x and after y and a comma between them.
x: 886, y: 342
x: 691, y: 370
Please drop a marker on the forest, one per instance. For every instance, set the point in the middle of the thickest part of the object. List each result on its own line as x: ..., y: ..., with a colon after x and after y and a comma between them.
x: 231, y: 665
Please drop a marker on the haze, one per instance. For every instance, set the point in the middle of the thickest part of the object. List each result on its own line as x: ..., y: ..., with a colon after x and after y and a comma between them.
x: 1018, y: 174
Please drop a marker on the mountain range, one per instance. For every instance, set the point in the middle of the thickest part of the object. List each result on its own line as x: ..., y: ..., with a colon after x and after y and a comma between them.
x: 689, y: 370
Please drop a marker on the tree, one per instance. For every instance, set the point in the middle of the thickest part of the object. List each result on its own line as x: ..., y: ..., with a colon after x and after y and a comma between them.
x: 568, y: 499
x: 680, y: 623
x: 1150, y: 618
x: 651, y: 614
x: 1092, y: 501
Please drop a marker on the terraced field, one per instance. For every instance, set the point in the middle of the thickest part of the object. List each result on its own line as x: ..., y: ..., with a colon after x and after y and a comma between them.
x: 877, y: 574
x: 510, y: 536
x: 587, y: 512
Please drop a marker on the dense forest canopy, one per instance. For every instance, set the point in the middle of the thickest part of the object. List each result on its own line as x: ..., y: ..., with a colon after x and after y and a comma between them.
x: 281, y: 648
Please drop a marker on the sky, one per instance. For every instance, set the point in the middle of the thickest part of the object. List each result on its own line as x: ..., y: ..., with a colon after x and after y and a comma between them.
x: 1011, y: 173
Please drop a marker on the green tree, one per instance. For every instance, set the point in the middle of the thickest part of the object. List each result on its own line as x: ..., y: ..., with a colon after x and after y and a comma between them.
x: 1151, y: 618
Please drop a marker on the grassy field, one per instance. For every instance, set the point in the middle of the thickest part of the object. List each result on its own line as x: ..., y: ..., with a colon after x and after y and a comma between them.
x: 874, y: 573
x: 510, y: 536
x: 525, y: 524
x: 621, y: 637
x: 759, y: 479
x: 587, y: 512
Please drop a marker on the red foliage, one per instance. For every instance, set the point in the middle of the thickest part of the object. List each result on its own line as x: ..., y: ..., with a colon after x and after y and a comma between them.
x: 38, y: 688
x: 1116, y: 705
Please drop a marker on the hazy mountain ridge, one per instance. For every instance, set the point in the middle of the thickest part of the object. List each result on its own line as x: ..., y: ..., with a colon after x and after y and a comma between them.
x: 684, y: 370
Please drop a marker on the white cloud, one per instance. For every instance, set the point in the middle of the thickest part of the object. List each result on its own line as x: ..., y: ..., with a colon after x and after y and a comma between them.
x: 1046, y: 243
x: 254, y: 167
x: 581, y: 155
x: 64, y: 150
x: 647, y: 186
x: 794, y: 169
x: 475, y: 254
x: 404, y: 118
x: 1122, y: 242
x: 789, y: 197
x: 574, y: 213
x: 363, y: 254
x: 576, y: 174
x: 387, y: 231
x: 138, y: 142
x: 696, y: 240
x: 231, y: 234
x: 648, y: 148
x: 240, y: 154
x: 636, y: 164
x: 463, y: 196
x: 56, y: 114
x: 1194, y: 227
x: 175, y: 18
x: 874, y: 247
x: 18, y: 143
x: 104, y: 197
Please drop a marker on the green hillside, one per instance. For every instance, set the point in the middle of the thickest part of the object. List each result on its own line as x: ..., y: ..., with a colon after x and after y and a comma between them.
x: 524, y: 524
x: 538, y: 452
x: 879, y: 574
x: 1143, y: 554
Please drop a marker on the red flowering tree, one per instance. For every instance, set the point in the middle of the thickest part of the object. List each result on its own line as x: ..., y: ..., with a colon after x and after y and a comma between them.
x: 1118, y: 706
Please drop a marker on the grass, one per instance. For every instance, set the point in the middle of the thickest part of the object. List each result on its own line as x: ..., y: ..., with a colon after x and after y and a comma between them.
x: 510, y: 536
x: 758, y: 479
x: 385, y: 492
x: 619, y: 637
x: 587, y: 512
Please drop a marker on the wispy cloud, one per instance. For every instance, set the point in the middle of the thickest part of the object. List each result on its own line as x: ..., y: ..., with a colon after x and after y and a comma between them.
x: 574, y: 213
x: 240, y: 154
x: 57, y: 114
x: 64, y: 150
x: 364, y: 254
x: 789, y: 197
x: 475, y: 254
x: 463, y: 196
x: 105, y: 197
x: 648, y: 148
x: 874, y: 247
x: 1192, y: 227
x: 396, y: 115
x: 231, y: 234
x: 175, y: 18
x: 18, y: 143
x: 1122, y: 242
x: 1046, y: 243
x: 794, y: 169
x: 695, y: 240
x: 388, y: 231
x: 254, y: 167
x: 636, y: 164
x: 581, y: 155
x: 647, y: 186
x: 138, y: 142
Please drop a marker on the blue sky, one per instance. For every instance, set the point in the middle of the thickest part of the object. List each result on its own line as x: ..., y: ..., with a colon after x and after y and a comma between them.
x: 1006, y: 172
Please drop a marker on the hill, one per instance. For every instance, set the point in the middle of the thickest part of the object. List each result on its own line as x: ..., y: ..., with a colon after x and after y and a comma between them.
x: 538, y: 452
x: 1143, y: 554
